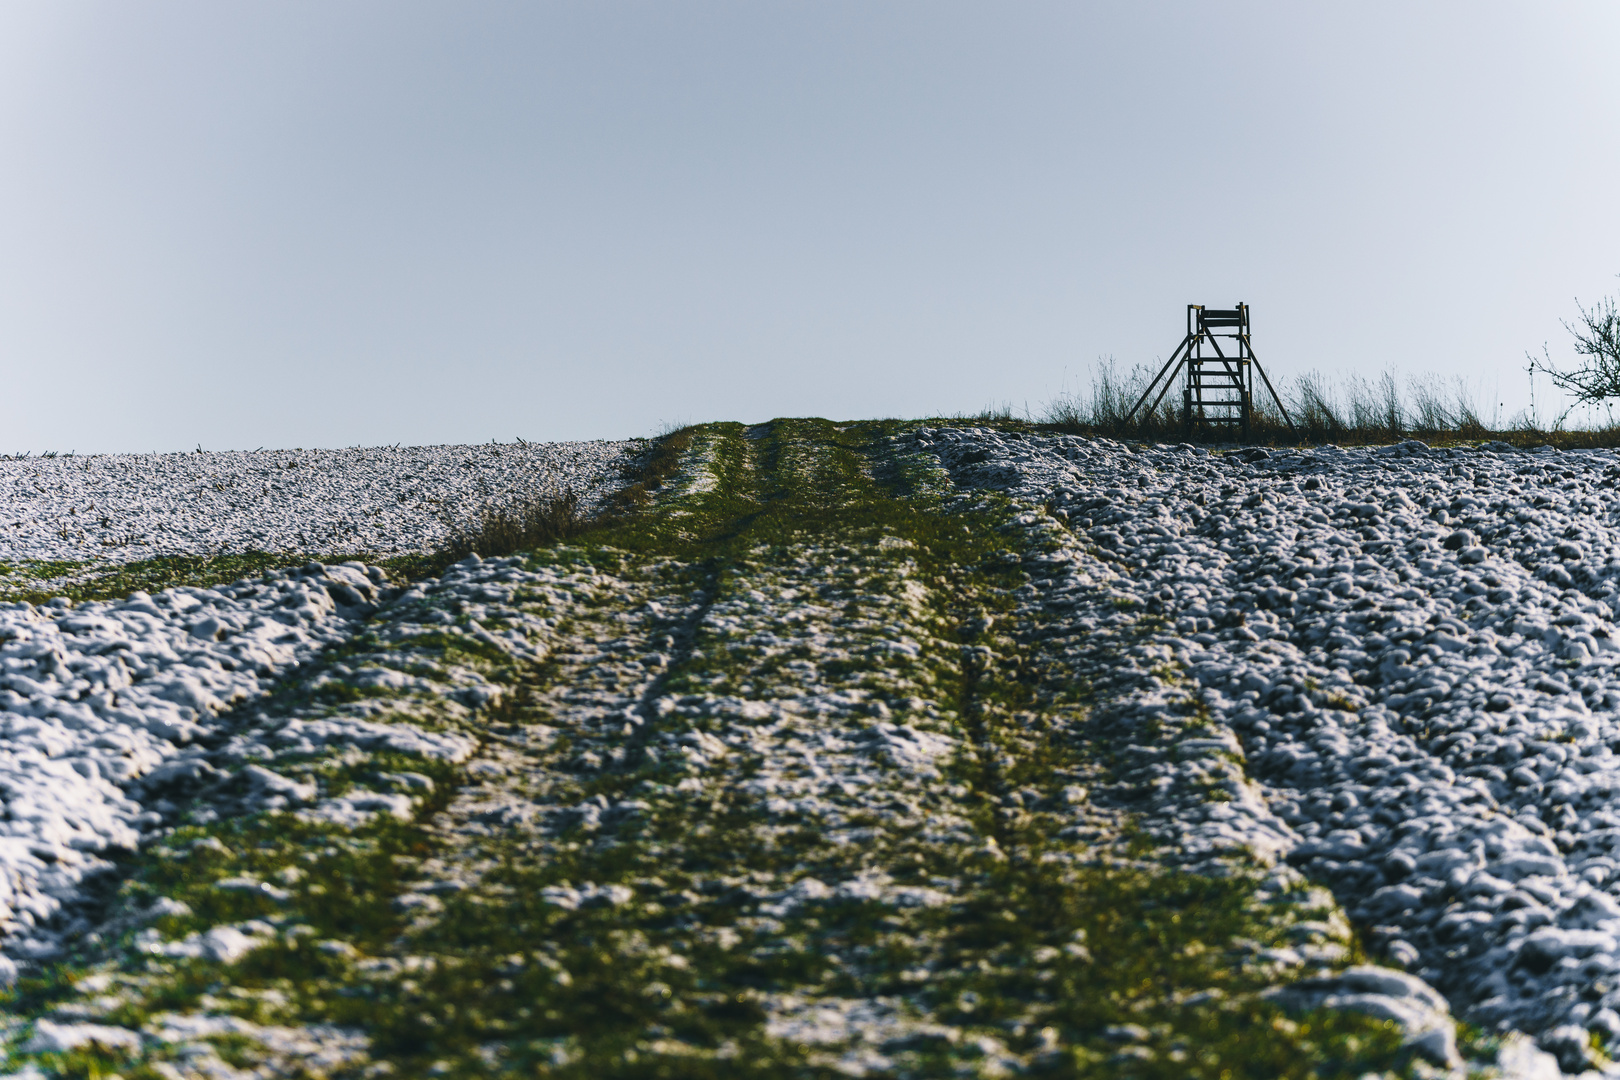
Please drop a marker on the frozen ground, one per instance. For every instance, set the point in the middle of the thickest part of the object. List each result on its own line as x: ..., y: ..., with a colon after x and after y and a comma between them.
x: 832, y: 795
x: 379, y: 501
x: 1416, y: 651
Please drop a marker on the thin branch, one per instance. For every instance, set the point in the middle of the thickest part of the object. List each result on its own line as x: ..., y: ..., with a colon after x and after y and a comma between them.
x: 1597, y: 342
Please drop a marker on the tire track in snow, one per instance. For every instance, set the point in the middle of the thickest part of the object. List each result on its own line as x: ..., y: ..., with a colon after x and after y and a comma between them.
x: 1415, y: 651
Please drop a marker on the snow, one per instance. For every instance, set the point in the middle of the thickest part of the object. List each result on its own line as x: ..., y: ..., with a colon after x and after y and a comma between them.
x: 1406, y: 661
x: 60, y: 1038
x: 103, y: 706
x: 106, y: 705
x: 378, y: 501
x: 1415, y: 652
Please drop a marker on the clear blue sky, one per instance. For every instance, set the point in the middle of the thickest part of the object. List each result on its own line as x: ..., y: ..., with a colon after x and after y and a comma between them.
x: 301, y: 224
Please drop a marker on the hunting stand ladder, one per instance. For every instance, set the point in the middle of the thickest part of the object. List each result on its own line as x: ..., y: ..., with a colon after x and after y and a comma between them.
x: 1219, y: 389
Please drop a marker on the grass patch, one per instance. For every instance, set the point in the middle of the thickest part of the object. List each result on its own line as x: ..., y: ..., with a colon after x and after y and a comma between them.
x: 88, y: 582
x: 656, y: 469
x: 522, y: 526
x: 831, y: 569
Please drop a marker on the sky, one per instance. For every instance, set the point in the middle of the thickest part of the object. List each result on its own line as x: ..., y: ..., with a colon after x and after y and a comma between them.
x: 299, y: 224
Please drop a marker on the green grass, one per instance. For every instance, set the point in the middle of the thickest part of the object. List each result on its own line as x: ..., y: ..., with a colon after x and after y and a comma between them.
x: 1044, y: 945
x: 102, y: 581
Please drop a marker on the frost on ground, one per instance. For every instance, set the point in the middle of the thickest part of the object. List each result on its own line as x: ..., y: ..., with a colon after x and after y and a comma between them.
x: 879, y: 750
x: 105, y: 702
x: 382, y: 501
x: 1414, y: 650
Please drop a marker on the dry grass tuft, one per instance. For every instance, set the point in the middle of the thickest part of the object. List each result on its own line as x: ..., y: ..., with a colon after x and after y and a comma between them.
x: 662, y: 462
x: 537, y: 522
x: 520, y: 526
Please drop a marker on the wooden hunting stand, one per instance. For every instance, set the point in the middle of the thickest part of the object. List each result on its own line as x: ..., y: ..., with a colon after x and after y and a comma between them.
x: 1219, y: 388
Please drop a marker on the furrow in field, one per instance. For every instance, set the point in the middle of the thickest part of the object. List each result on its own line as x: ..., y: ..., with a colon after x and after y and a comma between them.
x: 242, y: 936
x: 1412, y: 651
x: 811, y: 771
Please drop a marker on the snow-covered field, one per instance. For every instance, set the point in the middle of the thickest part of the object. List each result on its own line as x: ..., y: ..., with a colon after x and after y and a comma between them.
x: 378, y: 501
x: 1394, y: 671
x: 1416, y: 651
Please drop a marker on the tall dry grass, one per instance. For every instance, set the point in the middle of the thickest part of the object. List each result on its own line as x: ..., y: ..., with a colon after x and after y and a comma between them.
x: 1349, y: 411
x: 523, y: 525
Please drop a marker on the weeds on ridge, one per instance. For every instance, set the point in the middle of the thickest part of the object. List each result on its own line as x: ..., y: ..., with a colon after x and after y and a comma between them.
x: 1355, y: 412
x: 661, y: 463
x: 521, y: 526
x: 542, y: 522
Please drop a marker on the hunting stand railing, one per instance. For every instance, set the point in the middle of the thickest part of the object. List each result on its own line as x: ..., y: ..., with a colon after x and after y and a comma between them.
x: 1219, y: 389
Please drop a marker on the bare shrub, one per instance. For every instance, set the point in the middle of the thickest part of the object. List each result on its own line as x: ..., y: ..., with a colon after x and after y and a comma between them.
x: 1597, y: 341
